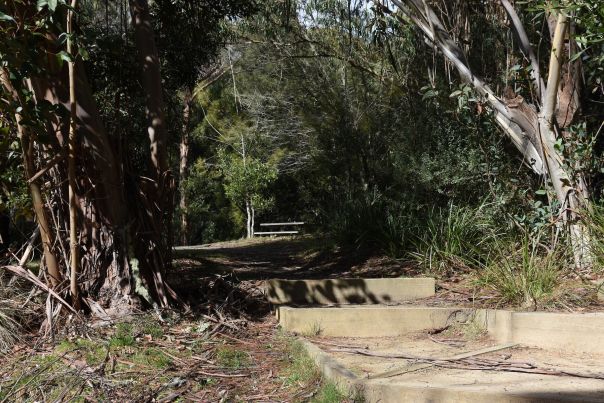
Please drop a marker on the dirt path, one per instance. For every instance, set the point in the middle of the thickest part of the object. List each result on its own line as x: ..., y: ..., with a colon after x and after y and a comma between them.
x: 294, y: 258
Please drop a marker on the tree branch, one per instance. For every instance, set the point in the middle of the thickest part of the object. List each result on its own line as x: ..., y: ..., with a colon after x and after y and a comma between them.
x: 526, y: 47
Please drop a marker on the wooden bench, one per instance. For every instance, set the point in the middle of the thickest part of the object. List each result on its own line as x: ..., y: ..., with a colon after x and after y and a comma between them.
x: 295, y: 224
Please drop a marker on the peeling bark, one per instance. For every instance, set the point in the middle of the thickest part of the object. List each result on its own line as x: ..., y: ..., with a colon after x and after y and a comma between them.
x: 532, y: 128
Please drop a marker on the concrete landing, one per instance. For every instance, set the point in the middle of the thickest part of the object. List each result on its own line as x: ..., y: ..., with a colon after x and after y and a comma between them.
x: 348, y: 291
x: 387, y: 354
x: 398, y: 380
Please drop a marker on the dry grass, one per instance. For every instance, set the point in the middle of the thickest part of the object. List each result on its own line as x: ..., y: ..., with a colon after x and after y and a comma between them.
x: 14, y: 313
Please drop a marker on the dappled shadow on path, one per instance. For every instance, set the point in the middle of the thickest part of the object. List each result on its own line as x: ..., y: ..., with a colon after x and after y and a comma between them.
x: 301, y: 258
x: 237, y: 269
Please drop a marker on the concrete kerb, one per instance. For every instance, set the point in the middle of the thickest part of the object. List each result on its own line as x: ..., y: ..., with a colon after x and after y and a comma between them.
x: 348, y: 291
x: 332, y: 369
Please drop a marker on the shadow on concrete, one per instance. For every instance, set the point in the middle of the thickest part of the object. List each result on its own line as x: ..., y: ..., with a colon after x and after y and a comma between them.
x: 579, y: 396
x: 343, y: 291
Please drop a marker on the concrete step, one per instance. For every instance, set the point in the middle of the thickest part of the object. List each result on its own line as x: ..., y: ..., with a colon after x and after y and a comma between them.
x: 348, y: 291
x: 566, y: 343
x: 581, y: 332
x: 369, y: 320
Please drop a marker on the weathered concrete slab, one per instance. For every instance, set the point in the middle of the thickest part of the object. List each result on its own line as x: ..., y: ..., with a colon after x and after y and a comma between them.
x: 369, y: 320
x: 581, y: 332
x: 348, y: 291
x: 567, y: 342
x: 456, y: 385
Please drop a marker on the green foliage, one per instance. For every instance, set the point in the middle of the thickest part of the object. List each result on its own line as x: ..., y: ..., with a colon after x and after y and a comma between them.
x: 229, y: 357
x: 94, y: 352
x: 301, y: 368
x: 247, y: 179
x: 124, y: 335
x: 330, y: 393
x: 152, y: 357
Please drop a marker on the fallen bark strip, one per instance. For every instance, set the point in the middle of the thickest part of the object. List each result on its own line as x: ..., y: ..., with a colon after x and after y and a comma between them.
x: 526, y: 370
x: 327, y: 343
x: 467, y: 361
x: 416, y: 357
x: 28, y: 275
x: 220, y: 375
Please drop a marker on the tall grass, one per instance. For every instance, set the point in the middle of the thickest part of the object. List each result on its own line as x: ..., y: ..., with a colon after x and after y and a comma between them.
x: 595, y: 222
x: 455, y: 239
x: 524, y: 272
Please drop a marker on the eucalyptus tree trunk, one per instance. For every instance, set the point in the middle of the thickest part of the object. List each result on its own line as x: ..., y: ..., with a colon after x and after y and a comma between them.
x: 36, y: 195
x: 104, y: 274
x: 154, y: 245
x: 113, y: 208
x: 248, y: 213
x: 183, y: 167
x: 532, y: 128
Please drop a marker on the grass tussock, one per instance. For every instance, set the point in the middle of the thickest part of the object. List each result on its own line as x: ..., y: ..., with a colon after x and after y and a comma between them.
x: 301, y: 370
x: 524, y: 273
x: 9, y: 329
x: 454, y: 240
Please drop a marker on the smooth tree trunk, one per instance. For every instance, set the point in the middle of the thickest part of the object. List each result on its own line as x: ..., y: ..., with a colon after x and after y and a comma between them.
x: 155, y: 244
x: 248, y: 213
x: 151, y: 80
x: 40, y: 212
x: 71, y: 166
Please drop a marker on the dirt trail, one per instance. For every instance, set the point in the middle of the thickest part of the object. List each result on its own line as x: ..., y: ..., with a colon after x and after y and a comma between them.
x: 294, y: 258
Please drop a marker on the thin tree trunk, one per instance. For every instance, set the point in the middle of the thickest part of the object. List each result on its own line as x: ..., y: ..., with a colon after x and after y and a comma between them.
x: 36, y: 195
x: 248, y: 212
x: 183, y: 167
x: 570, y: 191
x: 253, y: 218
x: 71, y: 169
